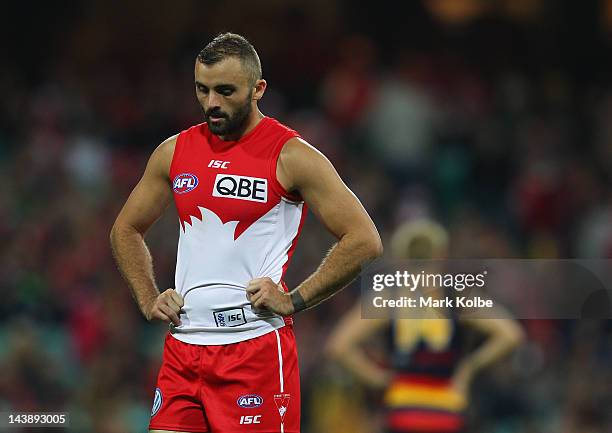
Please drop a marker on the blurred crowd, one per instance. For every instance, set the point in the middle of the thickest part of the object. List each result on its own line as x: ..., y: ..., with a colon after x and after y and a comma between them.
x: 494, y: 118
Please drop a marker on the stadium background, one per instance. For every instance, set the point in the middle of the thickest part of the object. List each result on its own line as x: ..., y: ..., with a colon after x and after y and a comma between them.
x: 494, y: 117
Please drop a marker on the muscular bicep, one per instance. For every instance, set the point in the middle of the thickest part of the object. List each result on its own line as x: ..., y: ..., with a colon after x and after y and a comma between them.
x: 305, y: 169
x: 151, y: 196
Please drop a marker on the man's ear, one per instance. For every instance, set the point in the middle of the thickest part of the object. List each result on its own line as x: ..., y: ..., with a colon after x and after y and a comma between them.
x: 260, y: 88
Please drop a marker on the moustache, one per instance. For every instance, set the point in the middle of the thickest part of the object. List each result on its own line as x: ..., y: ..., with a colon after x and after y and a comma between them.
x: 216, y: 113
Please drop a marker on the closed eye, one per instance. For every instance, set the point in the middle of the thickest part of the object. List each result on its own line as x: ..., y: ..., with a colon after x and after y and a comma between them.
x: 225, y: 90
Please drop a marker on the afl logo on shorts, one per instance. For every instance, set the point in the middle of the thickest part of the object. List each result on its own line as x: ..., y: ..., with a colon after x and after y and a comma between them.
x: 249, y: 401
x: 157, y: 402
x: 184, y: 182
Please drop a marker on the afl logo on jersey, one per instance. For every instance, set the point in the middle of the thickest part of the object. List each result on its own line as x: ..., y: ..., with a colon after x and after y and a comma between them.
x: 249, y: 401
x: 157, y: 402
x: 184, y: 182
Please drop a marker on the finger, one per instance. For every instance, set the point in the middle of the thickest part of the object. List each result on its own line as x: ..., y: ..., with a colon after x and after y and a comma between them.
x: 255, y: 281
x: 171, y: 314
x: 158, y: 315
x: 260, y: 307
x: 177, y: 298
x: 262, y: 279
x: 253, y: 288
x: 176, y: 308
x: 255, y: 297
x: 265, y: 281
x: 170, y: 299
x: 259, y: 300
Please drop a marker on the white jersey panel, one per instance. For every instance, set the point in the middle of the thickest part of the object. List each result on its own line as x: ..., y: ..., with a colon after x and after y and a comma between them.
x: 213, y: 269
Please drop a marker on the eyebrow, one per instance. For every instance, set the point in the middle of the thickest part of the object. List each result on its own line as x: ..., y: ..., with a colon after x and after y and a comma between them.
x: 218, y: 86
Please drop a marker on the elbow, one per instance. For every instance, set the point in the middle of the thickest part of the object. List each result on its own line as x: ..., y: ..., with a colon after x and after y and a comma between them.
x: 515, y: 336
x: 118, y: 231
x: 336, y: 346
x: 372, y: 247
x: 115, y: 231
x: 335, y: 350
x: 330, y: 351
x: 113, y: 234
x: 379, y: 250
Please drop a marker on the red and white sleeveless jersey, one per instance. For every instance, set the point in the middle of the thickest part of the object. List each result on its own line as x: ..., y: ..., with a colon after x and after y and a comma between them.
x: 236, y: 223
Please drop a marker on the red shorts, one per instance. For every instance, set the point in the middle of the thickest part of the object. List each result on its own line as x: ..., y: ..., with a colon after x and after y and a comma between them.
x: 253, y: 386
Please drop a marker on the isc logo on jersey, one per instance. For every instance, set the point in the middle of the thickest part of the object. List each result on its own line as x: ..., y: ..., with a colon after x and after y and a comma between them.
x: 241, y: 187
x: 184, y: 182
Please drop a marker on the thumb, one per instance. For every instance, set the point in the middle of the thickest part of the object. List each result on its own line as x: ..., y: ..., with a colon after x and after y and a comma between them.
x: 176, y: 297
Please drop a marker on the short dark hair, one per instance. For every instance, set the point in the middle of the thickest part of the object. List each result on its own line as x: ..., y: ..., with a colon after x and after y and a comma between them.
x: 232, y: 45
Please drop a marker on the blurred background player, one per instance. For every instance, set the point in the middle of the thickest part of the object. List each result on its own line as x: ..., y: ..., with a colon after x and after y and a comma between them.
x: 427, y: 387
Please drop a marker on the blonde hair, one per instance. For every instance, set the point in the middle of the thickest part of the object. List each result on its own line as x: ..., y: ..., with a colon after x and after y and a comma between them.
x: 419, y: 239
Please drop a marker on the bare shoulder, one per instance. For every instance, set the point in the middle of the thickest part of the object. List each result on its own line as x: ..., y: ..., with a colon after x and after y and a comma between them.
x: 161, y: 158
x: 165, y: 150
x: 300, y: 163
x: 298, y: 150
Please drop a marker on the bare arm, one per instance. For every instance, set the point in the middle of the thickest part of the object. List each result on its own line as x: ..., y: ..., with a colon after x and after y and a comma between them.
x: 145, y: 205
x: 303, y: 168
x: 344, y: 346
x: 503, y: 335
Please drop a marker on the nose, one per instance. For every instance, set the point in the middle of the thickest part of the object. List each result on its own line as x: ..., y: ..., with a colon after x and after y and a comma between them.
x: 213, y: 100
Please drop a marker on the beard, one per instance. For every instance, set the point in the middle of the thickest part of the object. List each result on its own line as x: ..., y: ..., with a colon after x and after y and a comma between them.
x: 229, y: 125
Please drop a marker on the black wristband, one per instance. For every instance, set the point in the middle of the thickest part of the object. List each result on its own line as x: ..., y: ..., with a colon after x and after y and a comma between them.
x: 297, y: 301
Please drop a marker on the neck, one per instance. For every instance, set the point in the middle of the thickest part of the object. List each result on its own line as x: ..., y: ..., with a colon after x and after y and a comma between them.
x: 251, y: 122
